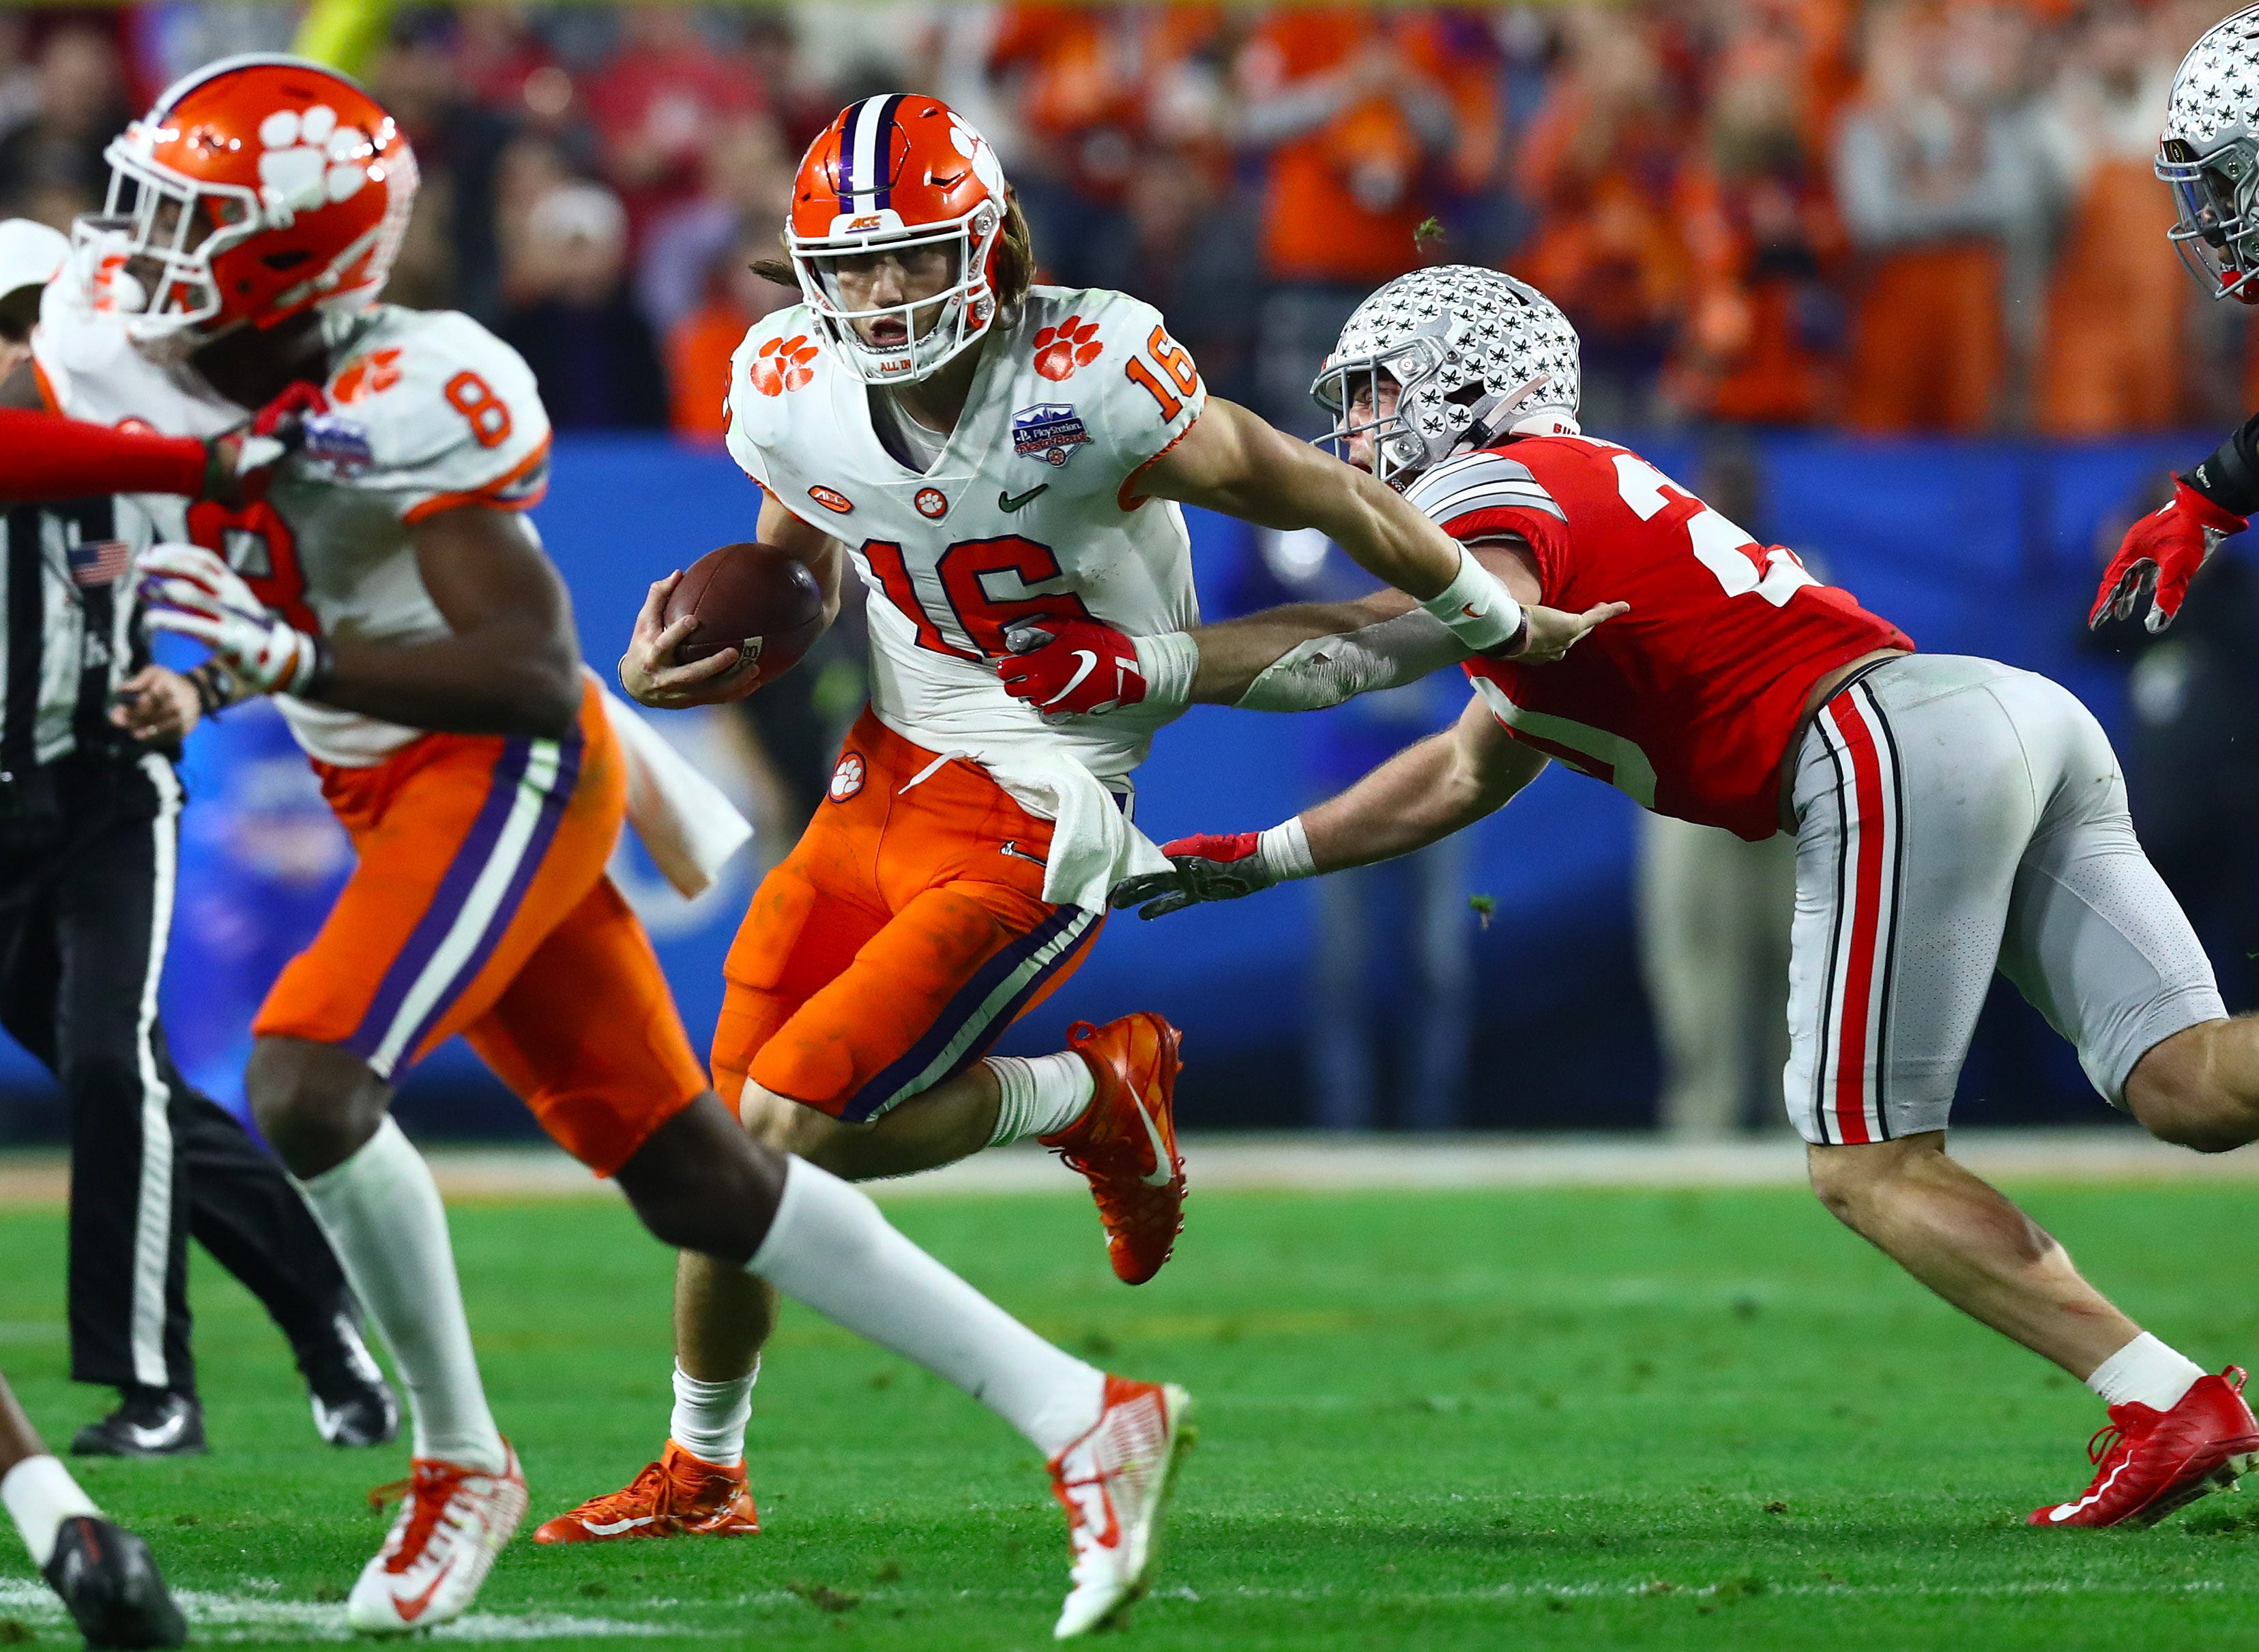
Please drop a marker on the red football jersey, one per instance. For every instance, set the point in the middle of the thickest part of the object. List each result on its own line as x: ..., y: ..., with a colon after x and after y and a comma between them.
x: 1687, y: 702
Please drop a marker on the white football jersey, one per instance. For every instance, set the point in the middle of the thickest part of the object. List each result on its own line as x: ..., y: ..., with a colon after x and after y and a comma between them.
x: 1031, y: 510
x: 428, y: 410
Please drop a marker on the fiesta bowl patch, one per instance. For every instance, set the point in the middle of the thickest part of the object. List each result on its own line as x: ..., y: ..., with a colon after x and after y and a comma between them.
x: 1049, y: 430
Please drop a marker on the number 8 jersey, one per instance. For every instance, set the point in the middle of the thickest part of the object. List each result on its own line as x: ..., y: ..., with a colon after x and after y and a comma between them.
x: 1687, y: 702
x: 1031, y: 511
x: 428, y: 410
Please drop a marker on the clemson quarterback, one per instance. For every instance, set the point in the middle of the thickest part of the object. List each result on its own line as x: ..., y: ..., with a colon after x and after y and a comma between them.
x: 1001, y: 462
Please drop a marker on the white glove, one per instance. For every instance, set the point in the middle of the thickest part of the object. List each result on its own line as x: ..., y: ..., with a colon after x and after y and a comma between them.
x: 189, y: 589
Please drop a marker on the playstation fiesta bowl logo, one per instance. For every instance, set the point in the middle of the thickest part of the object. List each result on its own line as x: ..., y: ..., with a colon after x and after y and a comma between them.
x: 1049, y: 431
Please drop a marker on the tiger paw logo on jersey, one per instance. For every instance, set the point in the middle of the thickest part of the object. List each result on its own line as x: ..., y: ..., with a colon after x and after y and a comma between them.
x: 847, y: 778
x: 309, y: 160
x: 931, y: 503
x: 368, y: 375
x: 1049, y: 431
x: 1060, y: 350
x: 782, y: 365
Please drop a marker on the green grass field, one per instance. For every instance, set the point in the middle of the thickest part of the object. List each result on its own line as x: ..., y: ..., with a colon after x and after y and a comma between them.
x: 1441, y: 1420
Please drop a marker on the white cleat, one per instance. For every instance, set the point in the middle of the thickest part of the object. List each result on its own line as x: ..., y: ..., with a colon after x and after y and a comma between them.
x: 454, y: 1521
x: 1116, y: 1483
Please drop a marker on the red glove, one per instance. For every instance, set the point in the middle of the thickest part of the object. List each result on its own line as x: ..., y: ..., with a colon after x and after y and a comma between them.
x: 1208, y: 867
x: 1071, y: 667
x: 2160, y: 553
x: 298, y: 400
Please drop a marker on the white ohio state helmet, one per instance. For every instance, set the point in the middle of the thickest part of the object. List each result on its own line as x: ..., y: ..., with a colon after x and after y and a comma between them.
x: 2210, y: 156
x: 1473, y: 354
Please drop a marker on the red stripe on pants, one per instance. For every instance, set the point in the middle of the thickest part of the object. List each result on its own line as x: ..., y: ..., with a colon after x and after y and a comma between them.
x: 1866, y: 921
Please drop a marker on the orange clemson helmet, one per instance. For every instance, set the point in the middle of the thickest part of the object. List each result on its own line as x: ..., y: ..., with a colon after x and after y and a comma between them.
x: 907, y: 176
x: 258, y: 187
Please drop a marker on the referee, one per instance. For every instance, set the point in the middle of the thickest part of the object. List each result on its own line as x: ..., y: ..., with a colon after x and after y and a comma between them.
x: 87, y: 829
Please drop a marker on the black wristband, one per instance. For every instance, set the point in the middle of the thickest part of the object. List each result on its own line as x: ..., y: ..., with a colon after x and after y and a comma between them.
x: 211, y: 697
x: 2230, y: 477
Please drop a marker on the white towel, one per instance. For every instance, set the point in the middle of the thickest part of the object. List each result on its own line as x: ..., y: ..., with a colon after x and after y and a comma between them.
x: 690, y: 828
x: 1095, y: 842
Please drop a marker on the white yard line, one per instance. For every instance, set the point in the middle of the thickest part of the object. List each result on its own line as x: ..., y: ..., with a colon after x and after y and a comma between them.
x: 259, y: 1617
x: 228, y: 1617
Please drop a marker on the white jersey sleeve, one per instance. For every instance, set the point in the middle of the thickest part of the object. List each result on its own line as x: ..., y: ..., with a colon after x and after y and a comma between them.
x: 429, y: 411
x: 777, y: 354
x: 1146, y: 391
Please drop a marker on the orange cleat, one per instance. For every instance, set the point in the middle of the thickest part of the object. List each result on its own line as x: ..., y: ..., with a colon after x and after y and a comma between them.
x: 678, y: 1496
x: 1125, y: 1144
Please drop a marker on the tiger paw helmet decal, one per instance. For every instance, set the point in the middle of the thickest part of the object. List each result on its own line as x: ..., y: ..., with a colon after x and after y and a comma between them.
x: 309, y: 160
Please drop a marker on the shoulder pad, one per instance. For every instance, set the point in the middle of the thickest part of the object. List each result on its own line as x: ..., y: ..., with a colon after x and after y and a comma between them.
x: 434, y: 407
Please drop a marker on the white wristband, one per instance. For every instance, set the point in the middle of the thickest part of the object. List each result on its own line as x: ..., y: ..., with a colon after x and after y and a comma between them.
x: 1167, y: 662
x: 1476, y: 607
x: 1285, y: 851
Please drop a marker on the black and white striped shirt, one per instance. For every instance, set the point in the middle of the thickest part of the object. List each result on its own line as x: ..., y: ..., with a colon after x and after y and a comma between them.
x: 72, y: 631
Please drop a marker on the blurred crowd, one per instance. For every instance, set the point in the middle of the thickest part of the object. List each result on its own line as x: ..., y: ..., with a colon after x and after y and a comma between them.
x: 1900, y: 216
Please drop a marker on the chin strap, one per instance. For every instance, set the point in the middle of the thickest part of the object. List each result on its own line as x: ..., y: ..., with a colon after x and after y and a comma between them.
x: 1497, y: 415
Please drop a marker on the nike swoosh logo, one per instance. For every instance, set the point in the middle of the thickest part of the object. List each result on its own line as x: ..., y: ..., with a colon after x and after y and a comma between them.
x: 2063, y: 1511
x: 1088, y: 662
x: 1012, y: 847
x: 613, y: 1528
x: 411, y: 1610
x: 1012, y: 501
x: 163, y: 1435
x: 1162, y: 1171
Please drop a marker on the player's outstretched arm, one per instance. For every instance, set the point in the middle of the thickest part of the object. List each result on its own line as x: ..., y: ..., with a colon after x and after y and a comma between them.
x: 1234, y: 462
x: 45, y: 457
x: 2162, y: 550
x: 1420, y: 796
x: 1299, y: 657
x: 648, y: 673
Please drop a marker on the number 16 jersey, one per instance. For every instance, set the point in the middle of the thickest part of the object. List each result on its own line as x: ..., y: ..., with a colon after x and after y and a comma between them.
x: 1688, y: 702
x: 1031, y: 512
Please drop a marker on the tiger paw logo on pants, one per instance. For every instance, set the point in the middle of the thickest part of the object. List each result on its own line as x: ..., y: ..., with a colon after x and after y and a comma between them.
x: 782, y: 365
x: 1060, y: 350
x: 309, y: 160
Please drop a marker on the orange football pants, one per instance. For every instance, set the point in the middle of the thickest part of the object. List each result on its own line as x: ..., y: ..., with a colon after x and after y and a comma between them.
x: 905, y: 931
x: 479, y: 907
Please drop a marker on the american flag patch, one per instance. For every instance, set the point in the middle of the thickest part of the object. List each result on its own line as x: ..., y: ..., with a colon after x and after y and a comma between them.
x: 101, y: 562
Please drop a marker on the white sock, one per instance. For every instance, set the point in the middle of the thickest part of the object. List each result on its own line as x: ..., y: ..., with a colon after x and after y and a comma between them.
x: 710, y: 1418
x: 41, y: 1495
x: 382, y: 1211
x: 1040, y: 1095
x: 830, y: 1248
x: 2145, y: 1371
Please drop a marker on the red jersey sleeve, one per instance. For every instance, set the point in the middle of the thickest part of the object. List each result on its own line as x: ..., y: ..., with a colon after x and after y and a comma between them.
x: 1485, y: 494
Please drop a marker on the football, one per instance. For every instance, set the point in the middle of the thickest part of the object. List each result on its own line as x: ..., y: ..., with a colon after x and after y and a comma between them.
x: 760, y: 601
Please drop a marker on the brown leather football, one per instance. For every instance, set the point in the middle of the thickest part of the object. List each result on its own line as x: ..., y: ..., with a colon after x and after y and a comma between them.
x: 754, y: 598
